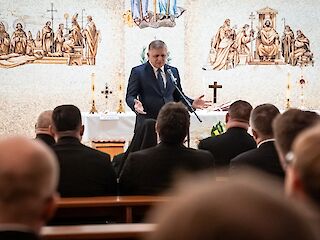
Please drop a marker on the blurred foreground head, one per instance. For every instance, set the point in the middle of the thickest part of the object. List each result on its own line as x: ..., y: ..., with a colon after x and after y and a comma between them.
x: 239, y: 209
x: 303, y: 171
x: 28, y: 181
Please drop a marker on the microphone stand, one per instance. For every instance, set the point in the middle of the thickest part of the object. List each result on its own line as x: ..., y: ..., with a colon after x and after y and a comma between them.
x: 173, y: 79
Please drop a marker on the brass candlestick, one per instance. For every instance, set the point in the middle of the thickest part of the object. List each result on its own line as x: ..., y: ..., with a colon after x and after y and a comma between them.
x: 120, y: 108
x: 288, y: 92
x: 93, y: 105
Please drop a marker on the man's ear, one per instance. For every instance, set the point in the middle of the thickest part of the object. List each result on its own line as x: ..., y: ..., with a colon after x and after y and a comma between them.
x: 254, y: 133
x: 50, y: 207
x: 227, y: 117
x: 81, y: 130
x: 51, y: 130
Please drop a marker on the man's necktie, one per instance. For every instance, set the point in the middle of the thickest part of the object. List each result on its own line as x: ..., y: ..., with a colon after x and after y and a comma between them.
x: 160, y: 79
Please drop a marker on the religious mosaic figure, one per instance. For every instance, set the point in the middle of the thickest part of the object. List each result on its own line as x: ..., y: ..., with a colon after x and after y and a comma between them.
x: 47, y: 38
x: 222, y: 53
x: 287, y: 43
x: 139, y: 9
x: 91, y: 36
x: 168, y: 9
x: 59, y: 39
x: 4, y: 40
x: 19, y: 40
x: 242, y: 39
x: 30, y: 44
x: 301, y: 53
x: 38, y: 41
x: 75, y: 38
x: 268, y: 42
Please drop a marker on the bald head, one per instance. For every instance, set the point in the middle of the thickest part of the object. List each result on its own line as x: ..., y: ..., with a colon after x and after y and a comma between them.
x: 28, y: 178
x: 44, y: 121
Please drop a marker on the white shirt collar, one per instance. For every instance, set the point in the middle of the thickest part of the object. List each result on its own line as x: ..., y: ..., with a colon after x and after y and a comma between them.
x: 156, y: 69
x: 264, y: 141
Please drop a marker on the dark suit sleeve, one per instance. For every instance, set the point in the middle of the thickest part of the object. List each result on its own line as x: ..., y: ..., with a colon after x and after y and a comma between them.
x: 176, y: 95
x: 133, y: 88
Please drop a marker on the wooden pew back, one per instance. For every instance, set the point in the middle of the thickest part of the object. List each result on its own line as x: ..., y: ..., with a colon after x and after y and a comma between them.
x: 108, y: 209
x: 90, y: 232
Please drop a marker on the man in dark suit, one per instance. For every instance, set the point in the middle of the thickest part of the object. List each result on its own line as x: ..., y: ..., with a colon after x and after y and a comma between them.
x: 42, y: 128
x: 235, y: 140
x: 150, y: 86
x: 83, y: 171
x: 153, y: 170
x: 28, y: 182
x: 265, y: 157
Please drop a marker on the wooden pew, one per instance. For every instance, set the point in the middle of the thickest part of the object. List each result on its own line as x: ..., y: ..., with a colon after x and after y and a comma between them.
x: 102, y: 231
x: 108, y: 209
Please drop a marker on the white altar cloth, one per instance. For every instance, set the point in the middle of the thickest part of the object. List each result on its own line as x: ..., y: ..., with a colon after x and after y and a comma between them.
x: 120, y: 126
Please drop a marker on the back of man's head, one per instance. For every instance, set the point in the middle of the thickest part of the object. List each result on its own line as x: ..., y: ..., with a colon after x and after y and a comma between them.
x: 288, y: 125
x: 173, y: 123
x: 28, y: 181
x: 66, y: 118
x: 261, y: 120
x: 305, y: 181
x: 43, y: 122
x: 240, y: 111
x: 240, y: 209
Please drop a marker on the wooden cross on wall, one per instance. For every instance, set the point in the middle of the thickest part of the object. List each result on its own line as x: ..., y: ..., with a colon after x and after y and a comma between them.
x: 215, y: 86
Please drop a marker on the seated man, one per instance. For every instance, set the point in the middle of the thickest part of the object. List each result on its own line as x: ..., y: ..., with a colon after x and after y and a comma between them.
x: 287, y: 126
x: 42, y: 128
x: 235, y: 140
x: 153, y: 170
x: 84, y: 171
x: 303, y: 169
x: 265, y: 157
x: 28, y: 181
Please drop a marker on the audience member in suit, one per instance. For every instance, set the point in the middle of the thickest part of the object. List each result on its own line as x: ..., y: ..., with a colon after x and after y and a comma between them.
x: 84, y: 171
x: 153, y: 170
x: 265, y: 157
x: 238, y: 209
x: 42, y: 128
x: 303, y: 169
x: 235, y: 140
x: 143, y: 138
x: 150, y: 87
x: 28, y: 182
x: 287, y: 126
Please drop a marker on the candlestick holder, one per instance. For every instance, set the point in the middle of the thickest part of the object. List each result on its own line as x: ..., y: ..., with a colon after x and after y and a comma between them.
x: 93, y: 105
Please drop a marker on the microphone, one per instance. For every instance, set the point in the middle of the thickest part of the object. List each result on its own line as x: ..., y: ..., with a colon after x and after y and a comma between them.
x: 173, y: 79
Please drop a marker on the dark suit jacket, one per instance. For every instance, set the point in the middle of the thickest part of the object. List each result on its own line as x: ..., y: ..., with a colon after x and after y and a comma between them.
x: 152, y: 171
x: 144, y: 85
x: 83, y: 171
x: 228, y: 145
x: 46, y: 138
x: 18, y: 235
x: 264, y: 158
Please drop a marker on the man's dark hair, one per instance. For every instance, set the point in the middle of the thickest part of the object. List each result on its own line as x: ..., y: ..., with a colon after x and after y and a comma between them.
x: 240, y: 110
x: 66, y: 118
x: 157, y: 44
x: 289, y: 124
x: 173, y: 123
x: 261, y: 118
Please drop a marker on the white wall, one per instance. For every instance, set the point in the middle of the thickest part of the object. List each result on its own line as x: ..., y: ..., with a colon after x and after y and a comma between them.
x: 27, y: 90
